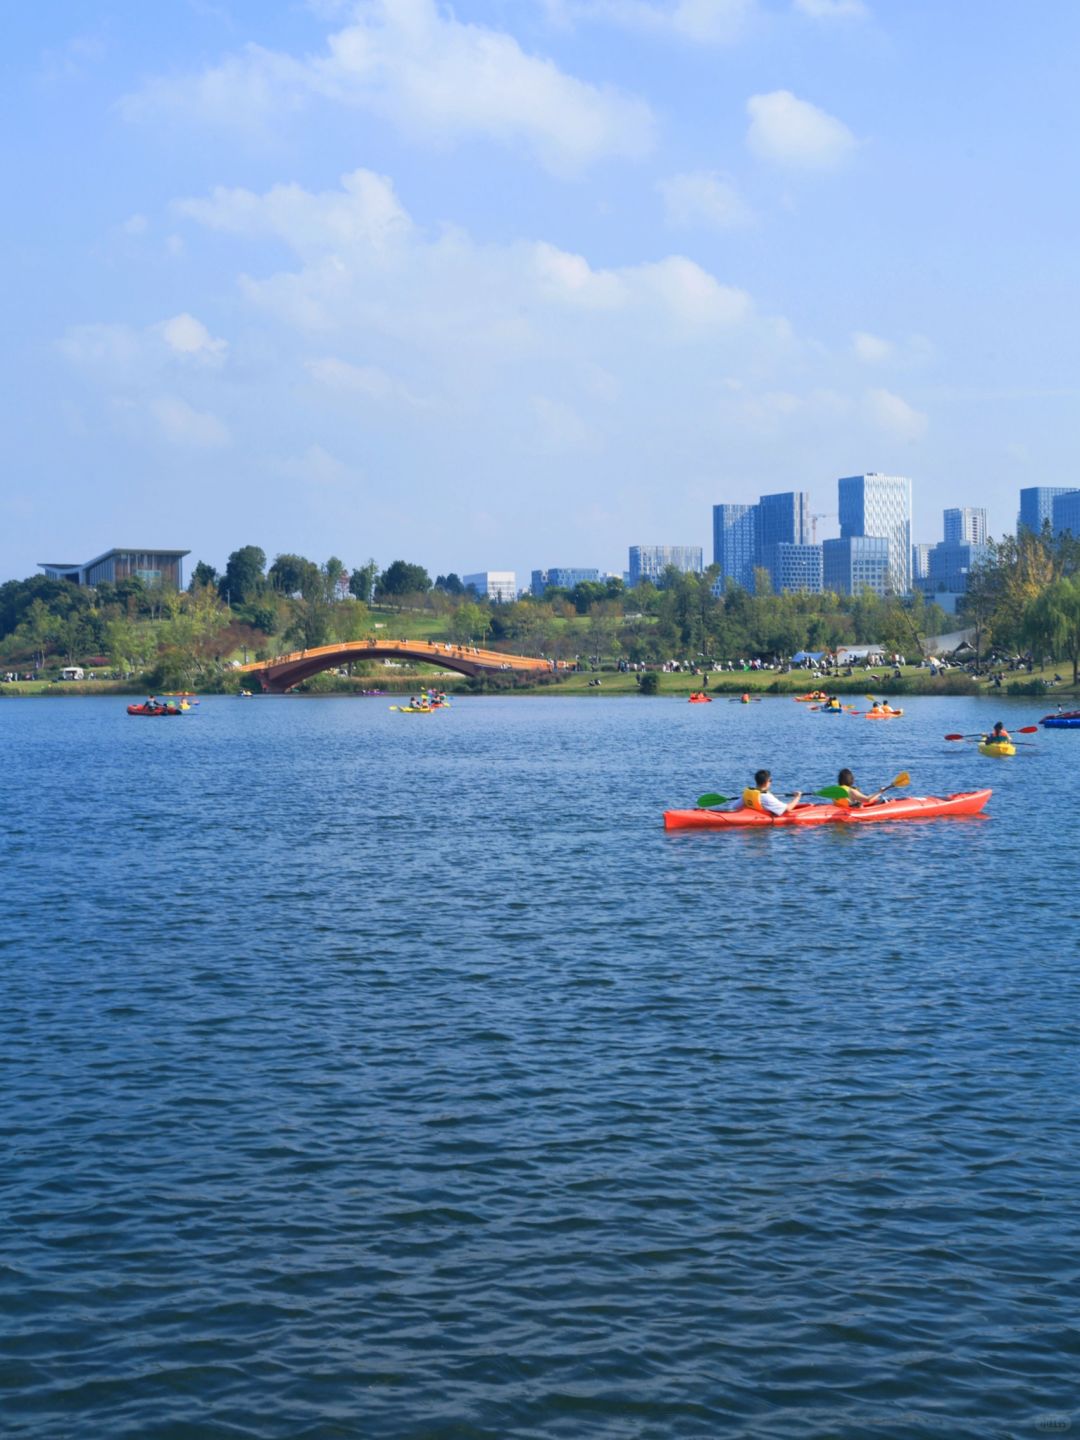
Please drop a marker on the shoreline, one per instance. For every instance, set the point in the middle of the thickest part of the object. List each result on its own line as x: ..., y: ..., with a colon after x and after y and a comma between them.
x: 612, y: 683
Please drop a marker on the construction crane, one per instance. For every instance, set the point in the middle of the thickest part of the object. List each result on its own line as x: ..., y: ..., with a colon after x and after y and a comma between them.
x: 813, y: 524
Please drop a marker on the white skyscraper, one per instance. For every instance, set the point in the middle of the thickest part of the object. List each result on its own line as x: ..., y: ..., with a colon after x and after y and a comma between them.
x: 880, y: 505
x: 965, y: 525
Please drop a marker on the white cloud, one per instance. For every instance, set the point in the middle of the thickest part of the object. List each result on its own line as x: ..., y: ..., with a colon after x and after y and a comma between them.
x: 365, y: 214
x: 893, y: 415
x: 792, y: 132
x: 438, y: 79
x: 871, y: 349
x: 188, y: 337
x: 368, y: 382
x: 317, y: 467
x: 446, y: 290
x: 571, y: 279
x: 182, y: 424
x: 701, y: 21
x: 703, y: 199
x: 832, y: 9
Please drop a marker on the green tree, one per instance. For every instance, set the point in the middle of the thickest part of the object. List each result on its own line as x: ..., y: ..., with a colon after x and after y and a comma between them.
x: 243, y: 579
x: 293, y: 575
x: 401, y: 578
x: 203, y: 574
x: 470, y: 622
x: 1052, y: 621
x: 362, y: 581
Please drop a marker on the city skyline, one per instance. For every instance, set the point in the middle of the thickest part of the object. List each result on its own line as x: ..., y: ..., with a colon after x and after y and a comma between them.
x: 464, y: 281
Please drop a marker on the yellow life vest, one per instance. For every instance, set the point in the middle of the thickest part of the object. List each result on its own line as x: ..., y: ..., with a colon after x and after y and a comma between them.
x: 845, y: 803
x: 751, y: 798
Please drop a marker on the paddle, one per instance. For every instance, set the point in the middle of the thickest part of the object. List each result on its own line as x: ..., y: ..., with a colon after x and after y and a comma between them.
x: 1023, y: 730
x: 837, y: 792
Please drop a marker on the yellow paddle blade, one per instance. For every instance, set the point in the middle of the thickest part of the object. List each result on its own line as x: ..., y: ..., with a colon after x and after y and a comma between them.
x: 902, y: 779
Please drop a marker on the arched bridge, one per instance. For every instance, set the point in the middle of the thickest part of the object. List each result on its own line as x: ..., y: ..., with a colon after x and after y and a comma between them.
x: 285, y: 671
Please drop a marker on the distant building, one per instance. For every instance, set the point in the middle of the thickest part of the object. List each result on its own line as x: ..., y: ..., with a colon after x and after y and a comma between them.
x: 648, y: 562
x: 950, y: 565
x: 1065, y: 516
x: 734, y: 542
x: 500, y: 585
x: 1037, y: 505
x: 855, y: 563
x: 562, y: 576
x: 920, y: 561
x: 965, y: 525
x: 152, y: 567
x: 875, y: 505
x: 782, y: 519
x: 796, y: 567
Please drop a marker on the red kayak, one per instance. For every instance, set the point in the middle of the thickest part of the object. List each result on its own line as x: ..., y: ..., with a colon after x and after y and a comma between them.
x: 929, y: 807
x: 154, y: 710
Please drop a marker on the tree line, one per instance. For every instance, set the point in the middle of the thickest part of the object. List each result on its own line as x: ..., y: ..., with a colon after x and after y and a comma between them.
x: 1024, y: 596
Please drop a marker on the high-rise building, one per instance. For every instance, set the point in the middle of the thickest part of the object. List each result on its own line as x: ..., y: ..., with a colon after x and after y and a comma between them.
x: 855, y: 563
x: 880, y: 505
x: 500, y: 585
x: 795, y: 567
x: 1037, y: 505
x: 920, y: 561
x: 782, y: 519
x: 734, y: 529
x: 965, y: 525
x: 1065, y: 516
x: 950, y: 564
x: 648, y: 562
x: 563, y: 576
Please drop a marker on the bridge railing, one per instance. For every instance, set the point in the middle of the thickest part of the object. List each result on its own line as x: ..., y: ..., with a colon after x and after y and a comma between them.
x: 427, y: 650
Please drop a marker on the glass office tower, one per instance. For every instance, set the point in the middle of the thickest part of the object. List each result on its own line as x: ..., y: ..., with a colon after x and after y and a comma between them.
x: 880, y: 505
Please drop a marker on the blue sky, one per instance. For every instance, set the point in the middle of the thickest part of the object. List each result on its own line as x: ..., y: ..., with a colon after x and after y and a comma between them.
x: 519, y: 283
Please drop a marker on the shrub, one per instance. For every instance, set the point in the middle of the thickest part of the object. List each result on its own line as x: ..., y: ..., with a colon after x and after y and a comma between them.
x: 649, y: 683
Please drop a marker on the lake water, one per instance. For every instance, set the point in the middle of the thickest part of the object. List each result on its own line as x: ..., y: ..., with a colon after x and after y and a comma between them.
x: 370, y: 1075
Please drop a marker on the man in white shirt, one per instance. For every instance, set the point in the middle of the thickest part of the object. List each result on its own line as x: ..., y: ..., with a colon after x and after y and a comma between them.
x: 760, y: 796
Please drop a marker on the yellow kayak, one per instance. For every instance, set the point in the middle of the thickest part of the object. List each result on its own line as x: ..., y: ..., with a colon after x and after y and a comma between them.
x: 997, y: 747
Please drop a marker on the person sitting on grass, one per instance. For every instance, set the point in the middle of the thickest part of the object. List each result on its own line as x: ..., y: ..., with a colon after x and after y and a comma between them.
x: 855, y: 797
x: 759, y: 796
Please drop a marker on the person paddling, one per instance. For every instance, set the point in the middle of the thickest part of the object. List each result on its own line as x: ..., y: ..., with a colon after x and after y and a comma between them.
x: 759, y: 796
x: 998, y: 736
x: 846, y: 781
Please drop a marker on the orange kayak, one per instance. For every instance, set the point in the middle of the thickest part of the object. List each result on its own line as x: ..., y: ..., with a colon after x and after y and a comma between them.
x: 928, y: 807
x: 884, y: 715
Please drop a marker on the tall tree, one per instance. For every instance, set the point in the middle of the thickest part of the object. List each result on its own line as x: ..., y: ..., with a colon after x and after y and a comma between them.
x: 362, y: 581
x: 243, y: 579
x: 1052, y: 621
x: 401, y: 578
x: 203, y: 574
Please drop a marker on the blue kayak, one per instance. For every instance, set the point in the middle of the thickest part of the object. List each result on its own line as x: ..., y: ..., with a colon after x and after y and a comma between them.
x: 1067, y: 720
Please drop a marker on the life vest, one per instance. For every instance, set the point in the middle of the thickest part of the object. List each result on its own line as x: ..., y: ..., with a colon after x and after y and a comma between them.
x: 751, y: 798
x: 845, y: 803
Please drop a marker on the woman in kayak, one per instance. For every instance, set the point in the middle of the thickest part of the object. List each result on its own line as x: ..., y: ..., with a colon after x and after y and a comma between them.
x: 846, y: 781
x: 999, y: 735
x: 759, y: 796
